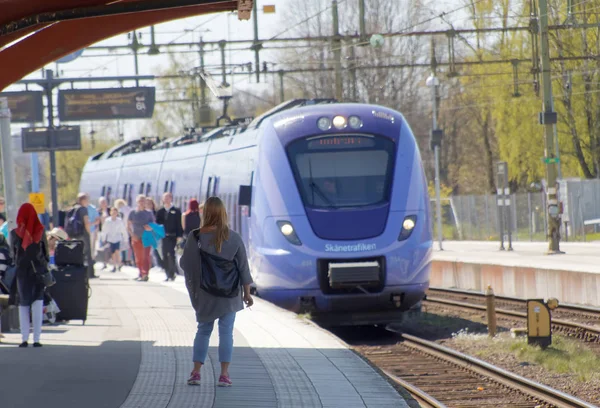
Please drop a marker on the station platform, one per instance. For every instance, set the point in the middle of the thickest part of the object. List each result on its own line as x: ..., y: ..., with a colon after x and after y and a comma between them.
x: 526, y: 272
x: 135, y: 351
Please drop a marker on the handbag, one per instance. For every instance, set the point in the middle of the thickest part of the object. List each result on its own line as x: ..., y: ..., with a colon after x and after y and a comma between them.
x: 46, y: 278
x: 220, y: 277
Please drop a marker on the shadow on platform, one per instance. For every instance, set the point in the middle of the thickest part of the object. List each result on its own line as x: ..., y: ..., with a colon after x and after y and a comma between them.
x: 65, y: 376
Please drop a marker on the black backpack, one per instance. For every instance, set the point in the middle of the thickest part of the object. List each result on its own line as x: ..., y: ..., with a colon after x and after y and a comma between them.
x: 220, y: 277
x: 73, y: 224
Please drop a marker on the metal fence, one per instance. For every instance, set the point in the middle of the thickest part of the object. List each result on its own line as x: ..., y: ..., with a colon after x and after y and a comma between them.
x: 475, y: 217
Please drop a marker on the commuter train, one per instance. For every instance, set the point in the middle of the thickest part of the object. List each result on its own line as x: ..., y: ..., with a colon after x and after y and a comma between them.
x: 330, y: 198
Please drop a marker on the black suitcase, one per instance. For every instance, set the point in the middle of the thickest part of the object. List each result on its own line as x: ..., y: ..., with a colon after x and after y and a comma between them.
x: 69, y: 253
x: 71, y: 292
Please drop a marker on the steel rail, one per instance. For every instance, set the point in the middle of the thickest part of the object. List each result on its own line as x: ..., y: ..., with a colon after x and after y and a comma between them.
x: 511, y: 380
x: 424, y: 399
x: 566, y: 306
x: 555, y: 322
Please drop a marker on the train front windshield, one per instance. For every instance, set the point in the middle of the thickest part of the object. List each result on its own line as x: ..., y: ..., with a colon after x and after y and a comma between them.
x: 343, y: 170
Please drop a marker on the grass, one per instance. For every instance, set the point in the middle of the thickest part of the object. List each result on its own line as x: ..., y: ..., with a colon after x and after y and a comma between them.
x: 564, y: 356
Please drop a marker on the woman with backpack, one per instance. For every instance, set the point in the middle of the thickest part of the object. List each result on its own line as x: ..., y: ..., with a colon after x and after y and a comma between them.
x: 216, y: 267
x: 30, y: 252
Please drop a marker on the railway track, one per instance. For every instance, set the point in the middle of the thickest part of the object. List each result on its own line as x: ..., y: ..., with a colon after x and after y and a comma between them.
x: 440, y: 377
x: 580, y: 323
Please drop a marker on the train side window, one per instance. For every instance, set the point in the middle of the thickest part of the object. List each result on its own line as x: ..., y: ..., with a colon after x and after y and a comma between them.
x: 172, y: 188
x: 109, y: 195
x: 130, y: 195
x: 141, y: 189
x: 103, y: 191
x: 148, y: 189
x: 166, y: 187
x: 216, y: 186
x: 210, y: 180
x: 125, y: 188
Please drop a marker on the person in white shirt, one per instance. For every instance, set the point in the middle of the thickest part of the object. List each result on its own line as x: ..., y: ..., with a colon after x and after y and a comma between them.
x: 124, y: 211
x: 114, y: 232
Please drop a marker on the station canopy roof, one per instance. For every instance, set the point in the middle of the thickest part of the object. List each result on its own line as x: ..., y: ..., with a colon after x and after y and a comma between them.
x: 34, y: 33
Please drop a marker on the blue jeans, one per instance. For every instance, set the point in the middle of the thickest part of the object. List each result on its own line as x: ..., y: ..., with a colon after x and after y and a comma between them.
x: 225, y: 339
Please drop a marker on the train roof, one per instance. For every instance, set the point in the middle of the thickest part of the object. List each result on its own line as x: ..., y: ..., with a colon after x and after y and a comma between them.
x: 238, y: 126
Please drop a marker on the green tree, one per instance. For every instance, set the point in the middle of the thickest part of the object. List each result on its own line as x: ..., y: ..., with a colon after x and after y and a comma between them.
x: 69, y: 166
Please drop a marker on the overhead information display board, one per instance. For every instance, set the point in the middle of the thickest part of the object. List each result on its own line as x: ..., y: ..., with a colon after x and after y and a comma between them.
x: 39, y: 139
x: 25, y: 107
x: 106, y: 104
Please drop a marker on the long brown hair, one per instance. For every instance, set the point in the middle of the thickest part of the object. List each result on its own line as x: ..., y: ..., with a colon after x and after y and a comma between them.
x: 215, y: 217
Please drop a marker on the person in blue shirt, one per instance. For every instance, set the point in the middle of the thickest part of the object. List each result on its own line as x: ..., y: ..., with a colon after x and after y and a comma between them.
x: 94, y: 217
x: 45, y: 220
x: 3, y: 225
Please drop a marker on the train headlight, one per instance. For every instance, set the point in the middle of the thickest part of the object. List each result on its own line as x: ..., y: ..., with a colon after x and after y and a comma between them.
x: 287, y: 230
x: 339, y: 122
x: 355, y: 122
x: 408, y: 225
x: 324, y: 123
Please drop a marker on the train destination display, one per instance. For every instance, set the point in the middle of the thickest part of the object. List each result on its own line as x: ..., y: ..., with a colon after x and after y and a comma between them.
x: 106, y: 104
x: 25, y: 107
x: 345, y: 142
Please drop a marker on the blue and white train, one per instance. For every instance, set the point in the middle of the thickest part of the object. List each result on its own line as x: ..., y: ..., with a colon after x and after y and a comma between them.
x: 331, y: 200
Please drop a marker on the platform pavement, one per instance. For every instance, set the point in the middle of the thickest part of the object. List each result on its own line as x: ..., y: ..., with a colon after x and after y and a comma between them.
x: 135, y: 352
x: 578, y: 257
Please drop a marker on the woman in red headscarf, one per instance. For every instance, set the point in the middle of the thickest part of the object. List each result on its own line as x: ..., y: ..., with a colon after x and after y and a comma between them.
x: 30, y: 252
x: 191, y: 218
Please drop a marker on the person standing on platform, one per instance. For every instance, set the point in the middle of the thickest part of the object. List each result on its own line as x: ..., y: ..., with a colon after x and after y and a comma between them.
x: 138, y: 222
x: 214, y: 248
x: 30, y: 252
x: 3, y: 225
x: 114, y: 233
x: 170, y: 217
x: 124, y: 211
x: 94, y: 217
x: 103, y: 212
x: 155, y: 257
x: 45, y: 220
x: 3, y: 207
x: 62, y: 216
x: 191, y: 218
x: 78, y: 226
x: 5, y: 258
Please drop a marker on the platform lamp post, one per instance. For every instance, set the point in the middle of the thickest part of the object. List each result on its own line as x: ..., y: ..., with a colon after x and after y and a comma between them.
x: 435, y: 143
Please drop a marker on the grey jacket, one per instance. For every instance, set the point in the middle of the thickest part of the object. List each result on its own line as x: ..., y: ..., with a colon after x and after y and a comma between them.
x: 208, y: 307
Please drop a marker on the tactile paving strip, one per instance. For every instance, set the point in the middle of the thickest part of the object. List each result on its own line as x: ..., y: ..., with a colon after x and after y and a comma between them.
x: 166, y: 336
